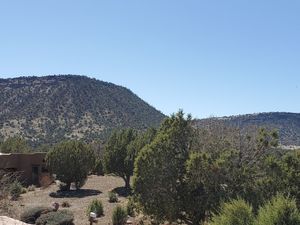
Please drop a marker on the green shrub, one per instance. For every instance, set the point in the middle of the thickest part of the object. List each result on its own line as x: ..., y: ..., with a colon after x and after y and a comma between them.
x: 236, y: 212
x: 96, y: 207
x: 15, y: 190
x: 30, y: 215
x: 119, y: 216
x: 112, y: 197
x: 24, y: 190
x: 130, y: 207
x: 279, y: 211
x: 62, y: 217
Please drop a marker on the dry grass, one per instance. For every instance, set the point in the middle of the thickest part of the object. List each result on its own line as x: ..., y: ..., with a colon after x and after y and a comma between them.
x: 95, y: 185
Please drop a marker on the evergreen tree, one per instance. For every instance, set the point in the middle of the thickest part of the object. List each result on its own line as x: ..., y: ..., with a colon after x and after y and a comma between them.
x: 160, y: 168
x: 14, y: 145
x: 119, y: 155
x: 71, y: 161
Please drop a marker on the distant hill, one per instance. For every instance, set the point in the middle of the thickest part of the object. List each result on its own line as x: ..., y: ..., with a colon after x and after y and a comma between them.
x: 288, y: 124
x: 46, y: 110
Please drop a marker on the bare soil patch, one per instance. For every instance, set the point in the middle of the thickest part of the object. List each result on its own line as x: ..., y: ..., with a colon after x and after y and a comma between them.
x: 96, y: 187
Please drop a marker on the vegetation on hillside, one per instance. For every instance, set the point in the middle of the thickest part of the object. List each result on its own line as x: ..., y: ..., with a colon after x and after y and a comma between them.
x: 287, y: 124
x: 186, y: 171
x: 191, y: 175
x: 47, y: 110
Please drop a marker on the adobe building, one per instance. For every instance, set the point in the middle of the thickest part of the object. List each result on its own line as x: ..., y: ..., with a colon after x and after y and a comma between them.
x: 30, y: 166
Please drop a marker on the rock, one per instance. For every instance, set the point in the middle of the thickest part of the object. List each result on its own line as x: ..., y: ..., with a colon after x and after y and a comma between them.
x: 4, y: 220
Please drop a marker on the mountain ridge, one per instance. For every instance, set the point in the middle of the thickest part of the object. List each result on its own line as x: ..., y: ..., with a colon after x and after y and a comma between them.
x: 287, y: 124
x: 51, y: 108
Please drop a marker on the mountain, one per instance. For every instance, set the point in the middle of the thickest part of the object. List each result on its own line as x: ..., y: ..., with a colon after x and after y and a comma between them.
x: 288, y: 124
x: 46, y: 110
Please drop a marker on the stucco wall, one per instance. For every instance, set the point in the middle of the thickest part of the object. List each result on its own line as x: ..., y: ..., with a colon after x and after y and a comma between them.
x: 23, y: 163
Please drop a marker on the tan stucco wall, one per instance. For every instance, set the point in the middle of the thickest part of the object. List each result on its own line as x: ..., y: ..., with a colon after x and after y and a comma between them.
x: 23, y: 163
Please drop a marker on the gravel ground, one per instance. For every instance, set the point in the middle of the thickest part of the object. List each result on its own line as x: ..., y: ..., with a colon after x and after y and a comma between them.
x: 95, y: 187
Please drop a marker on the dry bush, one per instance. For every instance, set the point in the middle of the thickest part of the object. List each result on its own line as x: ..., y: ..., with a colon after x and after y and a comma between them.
x: 251, y: 142
x: 6, y: 180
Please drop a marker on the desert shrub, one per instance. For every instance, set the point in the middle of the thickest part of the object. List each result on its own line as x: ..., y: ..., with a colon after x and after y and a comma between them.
x: 112, y: 197
x: 31, y: 188
x: 119, y: 216
x: 279, y: 211
x: 236, y: 212
x: 282, y: 175
x: 15, y: 145
x: 5, y: 182
x: 15, y: 190
x: 62, y: 217
x: 30, y: 215
x: 24, y: 190
x: 95, y: 206
x: 130, y: 207
x: 65, y: 204
x: 6, y: 179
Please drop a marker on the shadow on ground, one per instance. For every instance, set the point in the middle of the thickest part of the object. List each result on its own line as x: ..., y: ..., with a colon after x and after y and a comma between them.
x: 75, y: 193
x: 122, y: 191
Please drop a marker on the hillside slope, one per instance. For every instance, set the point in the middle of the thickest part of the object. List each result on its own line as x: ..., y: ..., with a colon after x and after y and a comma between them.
x: 288, y: 124
x: 52, y: 108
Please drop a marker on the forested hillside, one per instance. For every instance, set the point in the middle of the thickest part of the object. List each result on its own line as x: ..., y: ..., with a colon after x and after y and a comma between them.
x: 46, y: 110
x: 287, y: 124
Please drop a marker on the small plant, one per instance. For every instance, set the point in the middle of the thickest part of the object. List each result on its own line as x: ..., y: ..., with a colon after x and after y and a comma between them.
x: 112, y: 197
x: 280, y: 210
x: 24, y: 190
x: 95, y: 206
x: 31, y: 188
x: 65, y: 204
x: 130, y: 207
x: 15, y: 190
x: 30, y: 215
x: 236, y: 212
x: 119, y: 216
x: 62, y: 217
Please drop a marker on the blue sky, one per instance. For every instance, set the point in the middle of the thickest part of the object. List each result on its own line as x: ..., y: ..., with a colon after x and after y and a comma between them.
x: 208, y: 57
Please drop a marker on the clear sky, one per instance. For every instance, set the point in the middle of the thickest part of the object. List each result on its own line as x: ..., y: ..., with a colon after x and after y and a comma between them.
x: 208, y: 57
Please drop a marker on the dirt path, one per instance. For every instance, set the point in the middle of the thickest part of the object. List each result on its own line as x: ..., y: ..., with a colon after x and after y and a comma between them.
x: 95, y: 187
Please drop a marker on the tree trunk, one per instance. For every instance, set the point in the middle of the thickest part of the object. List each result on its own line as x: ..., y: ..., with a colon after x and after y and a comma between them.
x: 127, y: 182
x: 67, y: 187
